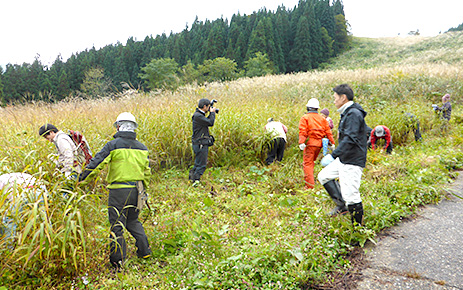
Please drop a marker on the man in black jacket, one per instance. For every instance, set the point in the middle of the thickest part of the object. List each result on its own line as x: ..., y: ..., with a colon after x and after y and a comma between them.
x: 201, y: 138
x: 347, y: 161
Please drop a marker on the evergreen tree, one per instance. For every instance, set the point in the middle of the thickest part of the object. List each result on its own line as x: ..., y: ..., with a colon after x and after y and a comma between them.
x: 59, y: 79
x: 338, y: 7
x: 327, y: 44
x: 34, y: 79
x: 300, y: 56
x: 197, y: 42
x: 325, y: 14
x: 258, y: 40
x: 282, y: 36
x: 315, y: 36
x: 215, y: 46
x: 341, y: 38
x: 293, y: 40
x: 233, y: 49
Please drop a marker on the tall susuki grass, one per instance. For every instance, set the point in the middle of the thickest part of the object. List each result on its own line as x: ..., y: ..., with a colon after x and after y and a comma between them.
x: 247, y: 225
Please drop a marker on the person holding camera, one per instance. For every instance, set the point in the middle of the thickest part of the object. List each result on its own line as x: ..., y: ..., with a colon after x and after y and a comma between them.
x: 201, y: 138
x: 446, y: 108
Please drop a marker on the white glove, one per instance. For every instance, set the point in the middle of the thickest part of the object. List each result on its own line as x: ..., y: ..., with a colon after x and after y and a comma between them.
x: 434, y: 106
x: 302, y: 146
x: 332, y: 147
x: 327, y: 160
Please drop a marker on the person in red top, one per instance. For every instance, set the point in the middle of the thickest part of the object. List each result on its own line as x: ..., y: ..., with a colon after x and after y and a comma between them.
x: 313, y: 127
x: 381, y: 132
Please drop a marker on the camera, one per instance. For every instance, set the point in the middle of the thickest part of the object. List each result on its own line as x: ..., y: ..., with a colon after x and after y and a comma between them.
x: 212, y: 105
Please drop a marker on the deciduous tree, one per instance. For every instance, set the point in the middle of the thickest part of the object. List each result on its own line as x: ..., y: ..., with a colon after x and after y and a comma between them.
x: 161, y: 74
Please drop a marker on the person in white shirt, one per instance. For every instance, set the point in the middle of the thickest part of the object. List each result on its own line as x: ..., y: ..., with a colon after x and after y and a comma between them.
x: 277, y: 147
x: 20, y: 189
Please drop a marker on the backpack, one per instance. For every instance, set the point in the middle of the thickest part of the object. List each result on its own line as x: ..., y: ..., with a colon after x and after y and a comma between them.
x: 83, y: 153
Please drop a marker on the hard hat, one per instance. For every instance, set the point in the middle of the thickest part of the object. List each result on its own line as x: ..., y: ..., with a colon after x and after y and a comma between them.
x: 379, y: 131
x: 126, y: 116
x: 313, y: 103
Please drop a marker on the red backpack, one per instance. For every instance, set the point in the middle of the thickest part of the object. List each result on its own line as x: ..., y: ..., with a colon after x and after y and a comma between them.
x: 83, y: 152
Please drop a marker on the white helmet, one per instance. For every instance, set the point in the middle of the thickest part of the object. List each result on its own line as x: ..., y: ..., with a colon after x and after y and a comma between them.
x: 379, y: 131
x: 126, y: 116
x: 313, y: 103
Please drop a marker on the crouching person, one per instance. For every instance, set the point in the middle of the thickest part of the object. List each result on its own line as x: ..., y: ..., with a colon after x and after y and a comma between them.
x: 19, y: 189
x: 347, y: 161
x: 128, y: 167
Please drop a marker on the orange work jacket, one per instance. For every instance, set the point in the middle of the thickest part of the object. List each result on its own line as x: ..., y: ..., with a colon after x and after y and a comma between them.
x: 314, y: 127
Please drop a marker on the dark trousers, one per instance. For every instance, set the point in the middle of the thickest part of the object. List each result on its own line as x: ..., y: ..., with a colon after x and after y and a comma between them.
x: 123, y: 213
x: 276, y: 150
x: 415, y: 126
x: 199, y: 167
x: 416, y: 131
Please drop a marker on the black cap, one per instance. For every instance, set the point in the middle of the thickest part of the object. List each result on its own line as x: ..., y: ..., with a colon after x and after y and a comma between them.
x: 203, y: 102
x: 45, y: 129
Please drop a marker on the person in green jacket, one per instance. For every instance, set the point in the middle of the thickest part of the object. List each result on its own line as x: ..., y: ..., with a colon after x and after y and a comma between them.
x: 128, y: 173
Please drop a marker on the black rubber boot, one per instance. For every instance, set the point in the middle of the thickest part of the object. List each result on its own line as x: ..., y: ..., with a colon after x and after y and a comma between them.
x: 356, y: 211
x: 334, y: 190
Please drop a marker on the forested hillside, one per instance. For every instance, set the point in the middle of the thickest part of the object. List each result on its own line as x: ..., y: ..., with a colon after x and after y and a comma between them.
x: 286, y: 40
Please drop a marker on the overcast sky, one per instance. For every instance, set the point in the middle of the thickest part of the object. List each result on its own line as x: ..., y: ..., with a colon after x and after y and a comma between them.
x: 52, y: 27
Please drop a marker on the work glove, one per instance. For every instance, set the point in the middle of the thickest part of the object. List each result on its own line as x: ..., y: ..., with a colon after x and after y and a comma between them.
x: 332, y: 147
x: 434, y: 106
x: 302, y: 146
x: 327, y: 160
x: 73, y: 176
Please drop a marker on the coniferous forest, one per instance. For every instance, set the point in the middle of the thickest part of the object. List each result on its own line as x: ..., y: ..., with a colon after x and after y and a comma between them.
x: 281, y: 41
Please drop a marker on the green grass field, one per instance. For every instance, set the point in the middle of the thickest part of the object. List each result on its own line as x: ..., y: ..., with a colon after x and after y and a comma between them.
x: 248, y: 226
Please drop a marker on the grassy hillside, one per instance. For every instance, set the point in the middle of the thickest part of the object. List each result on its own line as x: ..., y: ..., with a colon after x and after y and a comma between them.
x: 411, y: 50
x: 247, y: 225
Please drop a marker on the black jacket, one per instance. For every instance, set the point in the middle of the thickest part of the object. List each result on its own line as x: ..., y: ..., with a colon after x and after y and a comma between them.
x: 201, y: 124
x: 352, y: 146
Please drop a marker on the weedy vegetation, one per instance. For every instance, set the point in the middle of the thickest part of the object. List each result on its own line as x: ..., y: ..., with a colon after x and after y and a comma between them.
x: 247, y: 225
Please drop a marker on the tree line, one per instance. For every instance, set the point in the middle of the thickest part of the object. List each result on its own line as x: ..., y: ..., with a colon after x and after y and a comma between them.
x: 283, y: 41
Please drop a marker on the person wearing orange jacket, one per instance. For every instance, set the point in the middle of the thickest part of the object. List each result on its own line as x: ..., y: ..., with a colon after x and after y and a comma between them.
x: 313, y: 127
